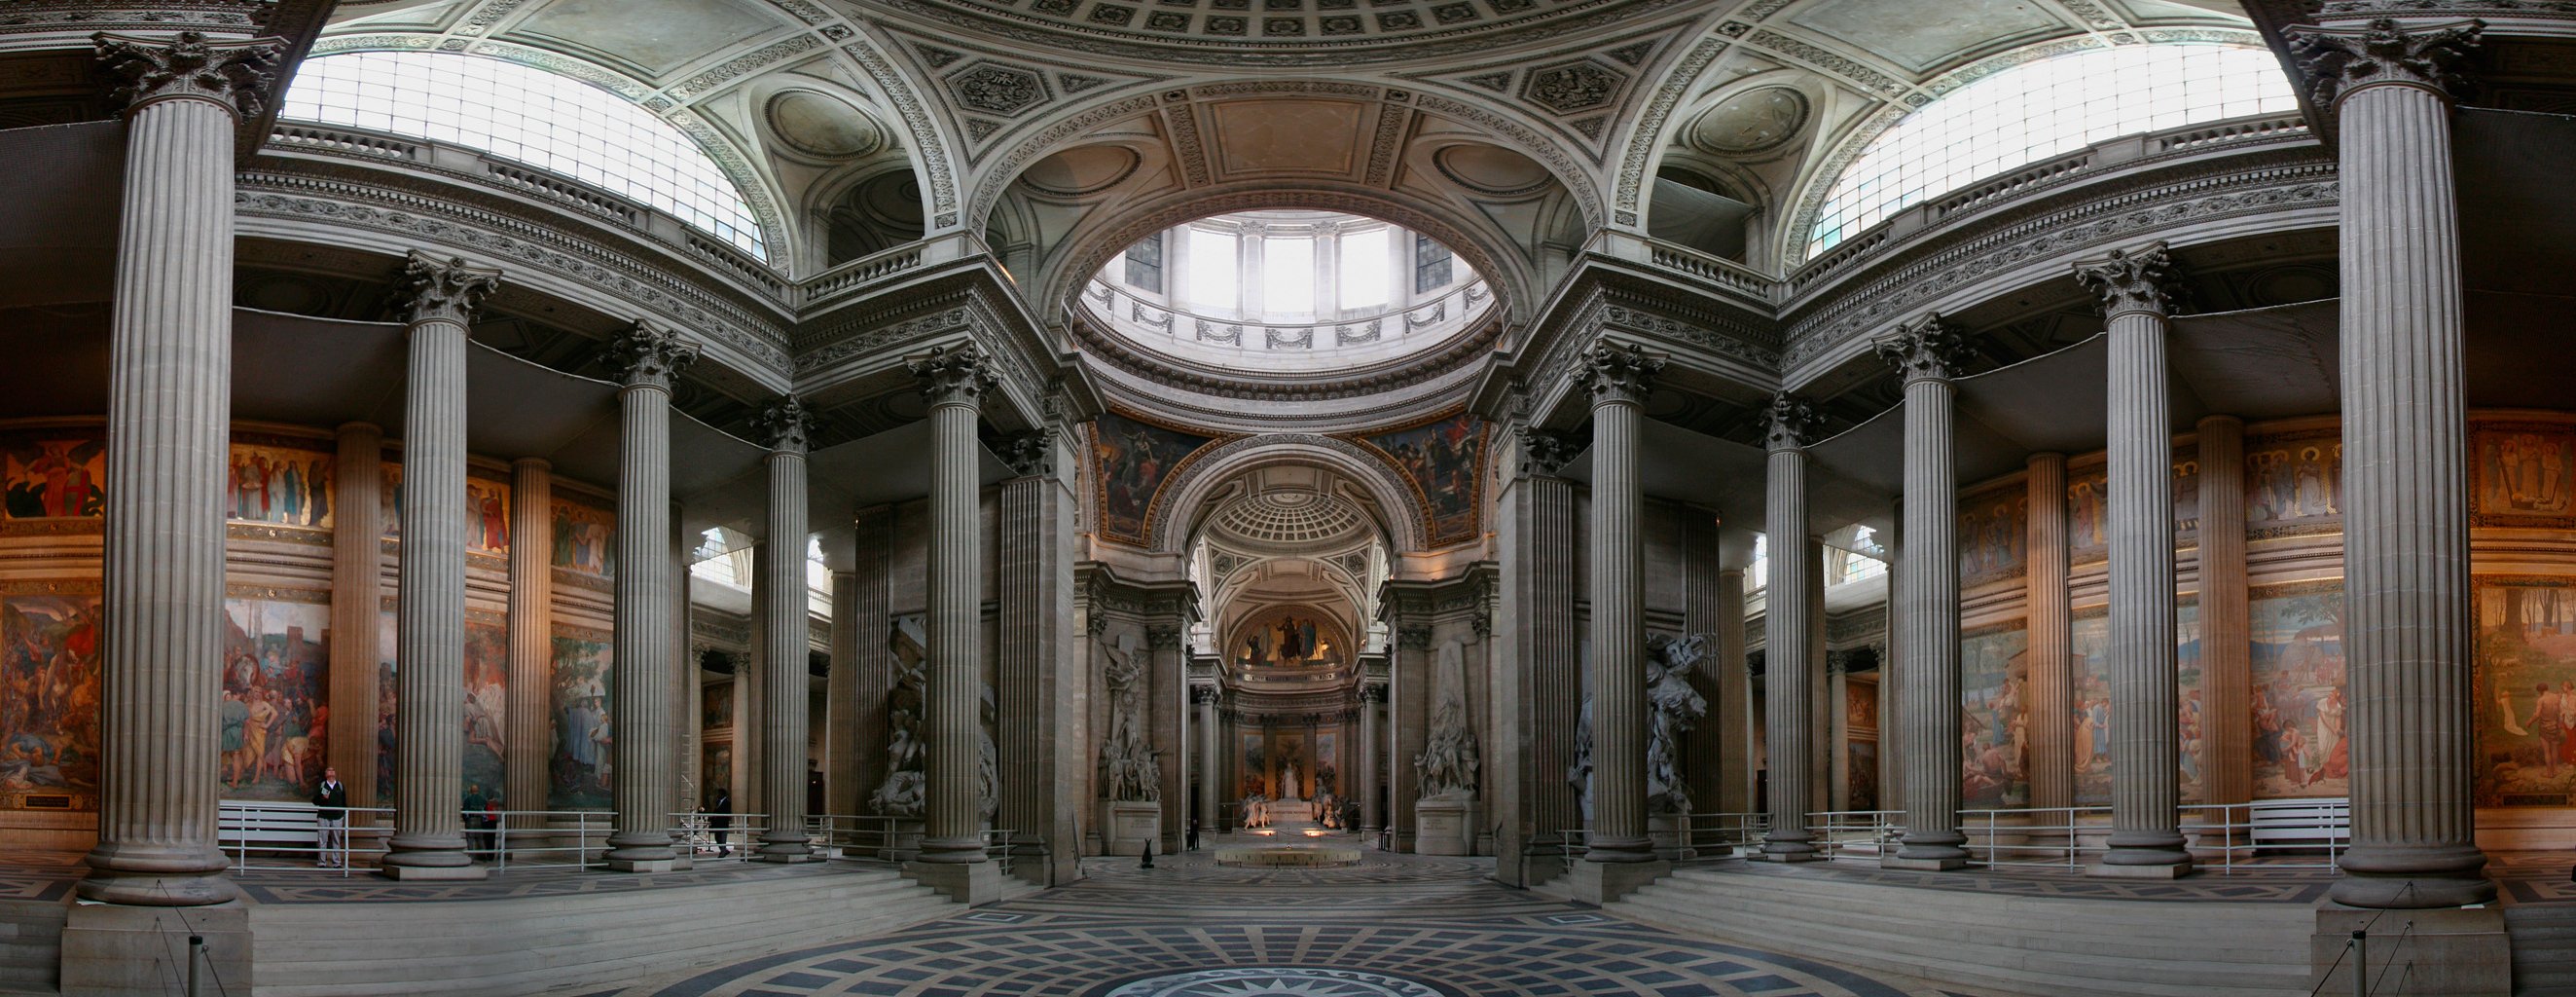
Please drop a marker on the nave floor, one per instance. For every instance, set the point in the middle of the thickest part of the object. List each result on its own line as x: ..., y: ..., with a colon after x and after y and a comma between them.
x: 1390, y: 926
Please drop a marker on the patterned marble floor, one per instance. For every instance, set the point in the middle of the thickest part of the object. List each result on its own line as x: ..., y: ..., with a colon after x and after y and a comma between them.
x: 1391, y: 926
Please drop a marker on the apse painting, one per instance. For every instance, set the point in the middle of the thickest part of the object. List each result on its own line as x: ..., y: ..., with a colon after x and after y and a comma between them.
x: 54, y: 474
x: 1445, y: 461
x: 2091, y: 637
x: 2526, y: 692
x: 1134, y: 459
x: 583, y: 534
x: 278, y: 485
x: 276, y: 706
x: 1993, y: 535
x: 2524, y: 474
x: 1994, y: 721
x: 49, y: 712
x: 578, y: 767
x: 2294, y: 483
x: 487, y: 671
x: 487, y: 516
x: 2298, y: 694
x: 1291, y: 638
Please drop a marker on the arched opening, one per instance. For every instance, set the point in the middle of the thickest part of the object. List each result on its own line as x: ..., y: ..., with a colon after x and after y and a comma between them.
x: 873, y: 215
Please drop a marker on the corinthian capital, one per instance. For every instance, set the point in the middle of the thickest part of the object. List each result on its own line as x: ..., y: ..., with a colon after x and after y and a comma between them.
x: 436, y: 290
x: 1547, y: 451
x: 2130, y: 280
x: 785, y: 425
x: 1925, y: 349
x: 1789, y: 423
x: 1027, y: 454
x: 2338, y: 61
x: 1613, y: 373
x: 238, y: 75
x: 648, y: 355
x: 958, y: 373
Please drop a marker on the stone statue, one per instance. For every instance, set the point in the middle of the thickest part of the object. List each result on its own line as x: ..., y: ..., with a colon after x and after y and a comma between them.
x: 988, y: 757
x: 1672, y: 709
x: 1449, y: 763
x: 1578, y: 773
x: 1129, y: 769
x: 901, y: 793
x: 1288, y: 784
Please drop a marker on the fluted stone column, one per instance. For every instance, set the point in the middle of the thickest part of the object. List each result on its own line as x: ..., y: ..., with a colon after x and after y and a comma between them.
x: 2226, y: 616
x: 2146, y: 796
x: 785, y: 426
x: 429, y: 630
x: 1619, y: 379
x: 1927, y: 606
x: 1789, y: 696
x: 841, y: 711
x: 357, y: 600
x: 1372, y: 702
x: 532, y: 596
x: 2406, y: 540
x: 646, y: 358
x: 2050, y: 637
x: 953, y: 381
x: 1733, y: 709
x: 1211, y: 772
x: 1538, y: 671
x: 170, y: 401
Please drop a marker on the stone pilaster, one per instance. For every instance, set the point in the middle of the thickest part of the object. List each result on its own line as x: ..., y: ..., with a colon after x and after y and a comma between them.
x: 1927, y: 605
x: 873, y: 612
x: 1041, y: 770
x: 429, y: 635
x: 2226, y: 617
x: 1538, y: 677
x: 532, y: 596
x: 841, y: 707
x: 1732, y: 712
x: 2406, y: 539
x: 2051, y: 648
x: 168, y: 422
x: 357, y: 600
x: 1211, y: 802
x: 953, y: 381
x: 647, y: 359
x: 785, y: 426
x: 1619, y: 379
x: 2146, y: 837
x: 1372, y: 702
x: 1789, y: 696
x: 682, y: 669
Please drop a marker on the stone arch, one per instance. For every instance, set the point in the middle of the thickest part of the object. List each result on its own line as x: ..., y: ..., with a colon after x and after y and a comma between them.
x: 1188, y: 505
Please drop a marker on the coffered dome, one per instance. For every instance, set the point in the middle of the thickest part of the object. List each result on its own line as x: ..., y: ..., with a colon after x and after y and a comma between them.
x: 1290, y: 519
x: 1277, y: 32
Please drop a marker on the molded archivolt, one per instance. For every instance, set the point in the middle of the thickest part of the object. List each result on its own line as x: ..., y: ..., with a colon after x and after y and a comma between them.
x: 1215, y: 474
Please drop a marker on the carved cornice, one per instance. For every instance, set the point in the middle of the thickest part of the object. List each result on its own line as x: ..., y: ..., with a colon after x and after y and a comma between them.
x: 1162, y: 638
x: 1789, y: 423
x: 2339, y: 62
x: 2131, y: 280
x: 1413, y: 636
x: 1927, y: 349
x: 1617, y: 374
x: 648, y: 355
x: 236, y: 74
x: 952, y: 375
x: 785, y: 425
x: 434, y: 290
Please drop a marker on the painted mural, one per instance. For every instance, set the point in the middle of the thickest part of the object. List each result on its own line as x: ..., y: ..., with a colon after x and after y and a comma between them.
x: 2191, y: 741
x: 487, y: 676
x: 2091, y: 695
x: 278, y: 484
x: 1291, y: 638
x: 1328, y: 766
x: 715, y: 706
x: 1254, y: 765
x: 53, y: 474
x: 2088, y: 499
x: 715, y: 770
x: 1994, y: 533
x: 487, y: 516
x: 2524, y: 474
x: 1445, y: 461
x: 2186, y: 494
x: 387, y: 739
x: 389, y: 498
x: 2298, y: 694
x: 1860, y: 774
x: 583, y: 538
x: 2294, y: 483
x: 1994, y: 722
x: 578, y: 768
x: 276, y: 707
x: 2526, y: 692
x: 49, y: 706
x: 1133, y: 460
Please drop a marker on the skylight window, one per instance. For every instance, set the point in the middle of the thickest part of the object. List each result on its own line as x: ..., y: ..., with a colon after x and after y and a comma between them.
x: 2043, y: 109
x: 529, y: 116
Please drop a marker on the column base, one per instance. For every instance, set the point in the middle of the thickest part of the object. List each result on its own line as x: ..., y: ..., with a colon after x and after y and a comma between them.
x: 2446, y: 950
x: 116, y: 950
x: 671, y: 864
x: 787, y: 857
x: 1596, y: 883
x: 1924, y: 864
x: 1786, y: 857
x: 971, y: 883
x: 429, y: 873
x: 2161, y: 870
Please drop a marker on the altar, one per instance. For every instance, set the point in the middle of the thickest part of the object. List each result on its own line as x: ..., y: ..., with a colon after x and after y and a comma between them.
x: 1284, y: 813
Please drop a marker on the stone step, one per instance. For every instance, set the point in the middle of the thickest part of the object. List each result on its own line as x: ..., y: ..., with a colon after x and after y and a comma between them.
x: 2544, y: 949
x: 31, y: 946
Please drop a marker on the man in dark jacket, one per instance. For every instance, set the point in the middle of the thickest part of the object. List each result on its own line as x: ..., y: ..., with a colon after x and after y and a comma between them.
x: 720, y: 820
x: 331, y: 820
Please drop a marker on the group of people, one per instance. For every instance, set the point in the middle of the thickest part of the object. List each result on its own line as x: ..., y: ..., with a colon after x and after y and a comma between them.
x: 281, y: 490
x: 267, y: 733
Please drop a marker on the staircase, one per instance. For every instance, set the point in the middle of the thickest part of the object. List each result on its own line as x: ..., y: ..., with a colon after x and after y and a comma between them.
x: 31, y: 946
x: 1993, y: 944
x: 2544, y: 949
x: 543, y: 944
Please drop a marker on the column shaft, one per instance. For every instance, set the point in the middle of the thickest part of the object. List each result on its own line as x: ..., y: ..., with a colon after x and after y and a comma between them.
x: 1618, y: 637
x: 2051, y: 651
x: 429, y: 830
x: 1372, y: 699
x: 783, y: 647
x: 954, y: 830
x: 357, y: 599
x: 1734, y: 706
x: 1927, y: 617
x: 841, y: 708
x: 2226, y: 623
x: 532, y: 588
x: 1211, y: 774
x: 1789, y: 696
x: 2145, y: 777
x: 640, y: 695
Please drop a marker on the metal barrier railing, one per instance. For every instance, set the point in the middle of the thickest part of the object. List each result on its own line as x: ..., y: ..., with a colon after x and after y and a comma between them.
x: 278, y: 832
x: 2033, y: 837
x: 2242, y: 833
x: 1855, y: 834
x: 1723, y: 832
x: 708, y: 837
x: 876, y: 838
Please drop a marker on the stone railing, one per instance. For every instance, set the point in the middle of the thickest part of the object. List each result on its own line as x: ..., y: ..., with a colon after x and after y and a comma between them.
x: 1290, y: 344
x: 863, y: 276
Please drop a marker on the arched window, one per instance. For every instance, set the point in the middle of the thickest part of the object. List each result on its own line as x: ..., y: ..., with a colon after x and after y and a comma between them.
x: 2041, y: 109
x: 530, y: 116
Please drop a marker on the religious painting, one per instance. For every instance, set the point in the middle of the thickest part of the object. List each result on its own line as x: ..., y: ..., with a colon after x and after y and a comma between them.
x: 49, y: 705
x: 2091, y: 694
x: 2525, y: 695
x: 584, y: 746
x: 2186, y: 493
x: 715, y: 705
x: 487, y: 671
x: 583, y: 534
x: 1445, y: 461
x: 715, y: 770
x: 2190, y: 740
x: 54, y: 474
x: 276, y: 705
x: 386, y: 734
x: 1133, y: 460
x: 1328, y: 767
x: 487, y: 516
x: 1860, y: 775
x: 1994, y: 718
x: 2088, y: 501
x: 1860, y: 705
x: 1255, y: 768
x: 2298, y: 692
x: 389, y: 501
x: 1291, y: 638
x: 2524, y: 474
x: 2294, y: 483
x: 1993, y: 534
x: 275, y: 482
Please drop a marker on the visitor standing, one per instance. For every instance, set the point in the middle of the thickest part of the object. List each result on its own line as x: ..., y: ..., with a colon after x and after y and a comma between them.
x: 331, y: 821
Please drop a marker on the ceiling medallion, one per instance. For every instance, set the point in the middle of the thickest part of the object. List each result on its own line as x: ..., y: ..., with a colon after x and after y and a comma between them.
x: 1756, y: 120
